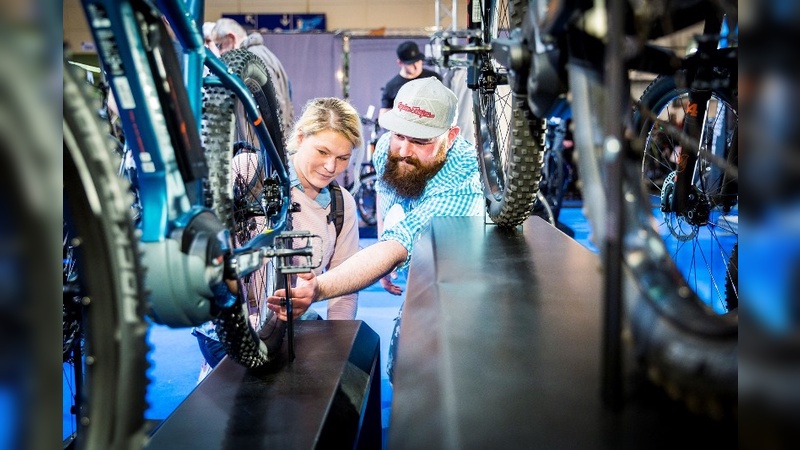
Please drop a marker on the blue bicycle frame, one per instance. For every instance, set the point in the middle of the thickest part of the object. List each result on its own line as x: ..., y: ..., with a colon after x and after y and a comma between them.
x: 169, y: 189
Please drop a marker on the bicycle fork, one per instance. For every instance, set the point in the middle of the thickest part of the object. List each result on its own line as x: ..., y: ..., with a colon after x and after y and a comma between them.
x: 687, y: 199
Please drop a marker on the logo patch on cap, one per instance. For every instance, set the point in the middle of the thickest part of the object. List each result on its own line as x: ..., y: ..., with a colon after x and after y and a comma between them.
x: 424, y: 108
x: 415, y: 110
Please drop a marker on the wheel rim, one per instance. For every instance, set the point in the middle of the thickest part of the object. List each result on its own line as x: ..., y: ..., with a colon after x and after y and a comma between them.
x: 700, y: 242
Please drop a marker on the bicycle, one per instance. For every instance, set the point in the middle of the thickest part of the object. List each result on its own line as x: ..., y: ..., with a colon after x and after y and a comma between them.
x: 509, y: 140
x: 650, y: 283
x: 557, y: 168
x: 705, y: 228
x: 363, y: 186
x: 528, y: 65
x: 203, y: 221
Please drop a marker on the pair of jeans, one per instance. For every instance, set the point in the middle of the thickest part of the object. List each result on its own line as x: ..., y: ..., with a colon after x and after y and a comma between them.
x: 212, y: 349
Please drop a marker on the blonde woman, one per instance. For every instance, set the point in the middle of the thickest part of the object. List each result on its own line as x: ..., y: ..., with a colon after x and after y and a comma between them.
x: 320, y: 147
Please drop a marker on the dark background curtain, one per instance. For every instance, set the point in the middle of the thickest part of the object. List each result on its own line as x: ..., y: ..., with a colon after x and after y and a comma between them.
x: 312, y: 62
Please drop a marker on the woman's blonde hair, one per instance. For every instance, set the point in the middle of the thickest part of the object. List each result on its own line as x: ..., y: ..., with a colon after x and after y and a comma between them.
x: 327, y: 113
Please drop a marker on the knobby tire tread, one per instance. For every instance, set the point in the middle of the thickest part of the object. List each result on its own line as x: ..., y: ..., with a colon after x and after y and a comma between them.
x: 691, y: 352
x: 252, y: 348
x: 510, y: 199
x: 111, y: 278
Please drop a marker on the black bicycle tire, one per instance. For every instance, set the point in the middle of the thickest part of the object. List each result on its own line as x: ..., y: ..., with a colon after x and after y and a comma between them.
x: 511, y: 168
x: 258, y: 80
x: 687, y: 349
x: 252, y: 347
x: 112, y: 402
x: 368, y: 214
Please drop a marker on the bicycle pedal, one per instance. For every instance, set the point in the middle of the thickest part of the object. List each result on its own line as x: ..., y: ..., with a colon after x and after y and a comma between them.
x: 297, y: 251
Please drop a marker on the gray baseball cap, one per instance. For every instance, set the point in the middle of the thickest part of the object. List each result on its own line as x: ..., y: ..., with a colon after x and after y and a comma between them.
x: 424, y: 108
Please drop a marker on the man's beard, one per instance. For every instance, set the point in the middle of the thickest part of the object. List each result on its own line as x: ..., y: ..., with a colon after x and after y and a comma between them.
x: 410, y: 178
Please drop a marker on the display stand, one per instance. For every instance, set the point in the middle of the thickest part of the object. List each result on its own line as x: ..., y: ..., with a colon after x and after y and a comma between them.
x: 328, y: 397
x: 500, y: 347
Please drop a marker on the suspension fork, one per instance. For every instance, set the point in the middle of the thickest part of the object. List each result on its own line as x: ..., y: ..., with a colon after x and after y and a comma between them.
x: 685, y: 194
x: 700, y: 80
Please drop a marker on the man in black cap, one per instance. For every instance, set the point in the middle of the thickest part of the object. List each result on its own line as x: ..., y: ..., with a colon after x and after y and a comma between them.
x: 409, y: 58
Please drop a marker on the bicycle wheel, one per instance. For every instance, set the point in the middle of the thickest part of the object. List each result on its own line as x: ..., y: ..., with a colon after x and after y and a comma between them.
x: 242, y: 193
x: 676, y: 340
x: 684, y: 336
x: 508, y: 137
x: 109, y: 282
x: 701, y: 240
x: 366, y: 199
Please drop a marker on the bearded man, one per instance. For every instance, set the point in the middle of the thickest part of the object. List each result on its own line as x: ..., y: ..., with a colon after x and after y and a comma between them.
x: 425, y: 169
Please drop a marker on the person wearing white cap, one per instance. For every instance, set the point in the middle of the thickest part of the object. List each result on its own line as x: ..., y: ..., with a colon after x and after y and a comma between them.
x: 425, y: 169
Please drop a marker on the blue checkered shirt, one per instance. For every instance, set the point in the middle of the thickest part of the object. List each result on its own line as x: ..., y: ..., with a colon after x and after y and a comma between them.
x: 454, y: 191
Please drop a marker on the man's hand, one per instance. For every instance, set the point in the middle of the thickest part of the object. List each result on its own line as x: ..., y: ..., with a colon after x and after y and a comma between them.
x: 303, y: 295
x: 390, y: 287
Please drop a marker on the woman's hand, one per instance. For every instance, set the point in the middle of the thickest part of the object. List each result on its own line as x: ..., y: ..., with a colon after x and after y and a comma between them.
x: 303, y: 295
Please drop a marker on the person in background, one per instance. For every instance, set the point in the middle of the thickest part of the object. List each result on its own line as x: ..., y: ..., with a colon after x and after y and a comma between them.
x: 208, y: 37
x: 283, y: 88
x: 409, y: 58
x: 229, y: 34
x: 425, y: 169
x: 320, y: 146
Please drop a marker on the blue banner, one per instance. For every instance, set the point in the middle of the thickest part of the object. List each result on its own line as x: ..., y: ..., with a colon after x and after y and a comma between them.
x: 281, y: 22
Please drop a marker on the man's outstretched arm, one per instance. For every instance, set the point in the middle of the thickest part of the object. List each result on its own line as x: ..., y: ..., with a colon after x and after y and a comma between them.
x: 357, y: 272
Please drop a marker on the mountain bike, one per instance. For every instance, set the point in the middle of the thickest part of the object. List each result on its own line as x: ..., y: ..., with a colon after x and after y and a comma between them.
x: 669, y: 315
x: 509, y: 139
x: 215, y: 206
x: 549, y: 51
